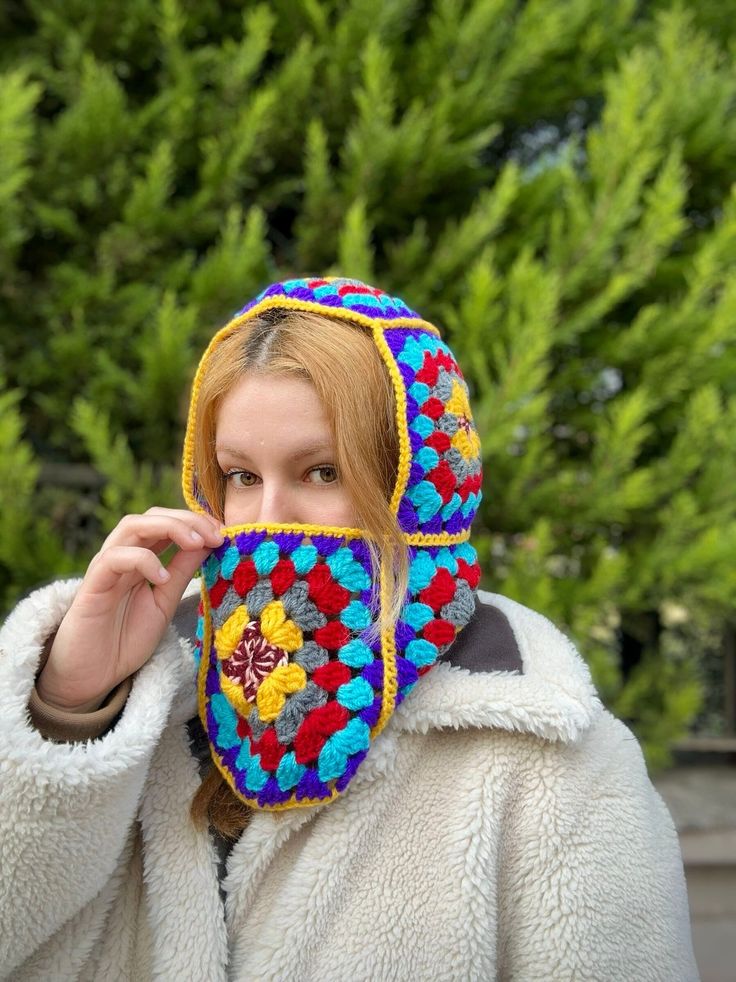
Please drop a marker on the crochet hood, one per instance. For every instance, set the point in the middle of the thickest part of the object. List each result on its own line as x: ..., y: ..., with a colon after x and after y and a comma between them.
x: 295, y: 679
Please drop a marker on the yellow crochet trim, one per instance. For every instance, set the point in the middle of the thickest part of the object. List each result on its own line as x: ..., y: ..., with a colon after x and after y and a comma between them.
x: 436, y: 539
x: 402, y: 476
x: 273, y: 690
x: 343, y: 532
x: 284, y: 806
x: 376, y: 326
x: 204, y: 654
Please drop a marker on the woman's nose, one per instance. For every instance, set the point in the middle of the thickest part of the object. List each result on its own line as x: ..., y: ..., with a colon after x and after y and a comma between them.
x: 276, y: 506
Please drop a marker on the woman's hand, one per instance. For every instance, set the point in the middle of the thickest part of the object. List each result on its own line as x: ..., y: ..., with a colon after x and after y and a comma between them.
x: 125, y: 602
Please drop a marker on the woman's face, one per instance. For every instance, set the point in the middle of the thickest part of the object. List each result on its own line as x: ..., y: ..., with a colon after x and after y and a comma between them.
x: 274, y: 444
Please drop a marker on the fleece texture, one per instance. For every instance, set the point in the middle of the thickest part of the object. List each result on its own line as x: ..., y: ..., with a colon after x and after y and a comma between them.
x: 503, y: 827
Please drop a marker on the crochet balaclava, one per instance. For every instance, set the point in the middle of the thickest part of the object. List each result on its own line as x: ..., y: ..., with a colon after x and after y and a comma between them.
x: 296, y: 677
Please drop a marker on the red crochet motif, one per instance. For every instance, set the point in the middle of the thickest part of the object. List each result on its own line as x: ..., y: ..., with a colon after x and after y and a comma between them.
x: 439, y: 632
x: 429, y: 371
x: 217, y: 592
x: 433, y: 408
x: 332, y: 636
x: 318, y: 725
x: 329, y: 596
x: 440, y: 591
x: 282, y: 576
x: 447, y: 362
x: 438, y: 441
x: 331, y: 676
x: 357, y: 288
x: 245, y: 577
x: 471, y: 574
x: 270, y: 749
x: 444, y: 480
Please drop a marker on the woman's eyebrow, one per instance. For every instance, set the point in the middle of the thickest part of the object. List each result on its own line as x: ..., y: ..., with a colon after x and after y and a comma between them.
x: 299, y: 454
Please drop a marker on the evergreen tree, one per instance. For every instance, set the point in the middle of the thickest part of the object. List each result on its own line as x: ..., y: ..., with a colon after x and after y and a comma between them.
x: 550, y: 181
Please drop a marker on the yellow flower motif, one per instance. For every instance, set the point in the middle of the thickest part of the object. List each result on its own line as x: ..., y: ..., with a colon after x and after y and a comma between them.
x: 272, y: 692
x: 466, y: 439
x: 228, y: 636
x: 467, y: 442
x: 278, y: 630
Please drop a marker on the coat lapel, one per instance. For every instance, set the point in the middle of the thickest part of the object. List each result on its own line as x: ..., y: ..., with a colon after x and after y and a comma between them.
x: 180, y: 866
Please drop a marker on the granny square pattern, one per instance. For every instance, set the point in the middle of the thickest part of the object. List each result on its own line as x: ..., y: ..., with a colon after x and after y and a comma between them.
x: 295, y: 678
x: 350, y: 295
x: 443, y: 488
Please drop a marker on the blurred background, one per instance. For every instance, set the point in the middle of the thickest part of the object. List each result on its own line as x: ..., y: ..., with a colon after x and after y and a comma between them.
x: 550, y: 181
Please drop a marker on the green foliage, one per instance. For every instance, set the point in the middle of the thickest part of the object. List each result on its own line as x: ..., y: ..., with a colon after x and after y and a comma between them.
x: 550, y: 181
x: 16, y: 133
x: 29, y: 548
x: 130, y: 486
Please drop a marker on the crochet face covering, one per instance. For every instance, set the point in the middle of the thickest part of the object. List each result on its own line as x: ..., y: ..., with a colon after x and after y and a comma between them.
x: 296, y: 677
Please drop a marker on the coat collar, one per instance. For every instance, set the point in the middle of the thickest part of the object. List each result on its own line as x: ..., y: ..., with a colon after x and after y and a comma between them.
x: 553, y: 697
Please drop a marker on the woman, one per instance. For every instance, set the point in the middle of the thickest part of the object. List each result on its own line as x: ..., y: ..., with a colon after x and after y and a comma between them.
x: 378, y: 773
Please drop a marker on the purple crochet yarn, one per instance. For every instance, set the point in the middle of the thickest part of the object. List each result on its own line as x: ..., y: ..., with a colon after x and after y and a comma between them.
x: 415, y: 441
x: 212, y: 682
x: 416, y: 473
x: 310, y: 786
x: 371, y: 713
x: 407, y: 516
x: 249, y: 541
x: 404, y: 634
x: 326, y: 544
x: 407, y: 374
x: 271, y: 793
x: 373, y: 674
x: 353, y: 764
x: 359, y: 549
x: 288, y: 541
x: 406, y: 673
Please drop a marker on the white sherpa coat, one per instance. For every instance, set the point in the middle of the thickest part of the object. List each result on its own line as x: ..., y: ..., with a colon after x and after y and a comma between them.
x: 502, y: 827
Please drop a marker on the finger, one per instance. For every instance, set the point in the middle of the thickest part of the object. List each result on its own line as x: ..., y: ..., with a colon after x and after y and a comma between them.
x: 156, y: 532
x: 185, y: 564
x: 118, y: 561
x: 181, y: 569
x: 185, y: 514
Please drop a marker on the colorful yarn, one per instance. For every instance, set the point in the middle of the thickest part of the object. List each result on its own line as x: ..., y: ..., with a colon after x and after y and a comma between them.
x: 277, y: 629
x: 295, y: 677
x: 273, y: 690
x: 299, y: 672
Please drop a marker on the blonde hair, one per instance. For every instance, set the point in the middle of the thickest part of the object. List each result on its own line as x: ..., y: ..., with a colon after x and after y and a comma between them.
x: 343, y: 364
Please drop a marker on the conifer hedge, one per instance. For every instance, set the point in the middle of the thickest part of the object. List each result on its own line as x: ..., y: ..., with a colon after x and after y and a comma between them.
x: 550, y: 180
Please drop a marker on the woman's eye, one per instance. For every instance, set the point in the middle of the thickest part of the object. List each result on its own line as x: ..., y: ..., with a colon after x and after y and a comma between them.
x: 326, y: 474
x: 241, y: 479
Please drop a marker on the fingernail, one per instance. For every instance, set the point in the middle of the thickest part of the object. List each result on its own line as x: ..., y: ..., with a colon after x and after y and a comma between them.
x: 163, y: 574
x: 196, y: 537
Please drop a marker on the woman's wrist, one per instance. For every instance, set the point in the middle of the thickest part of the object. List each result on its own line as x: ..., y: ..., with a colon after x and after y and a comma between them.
x: 66, y: 706
x: 62, y: 726
x: 54, y: 691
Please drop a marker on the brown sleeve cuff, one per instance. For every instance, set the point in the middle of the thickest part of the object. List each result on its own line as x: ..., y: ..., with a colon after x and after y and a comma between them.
x: 65, y: 727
